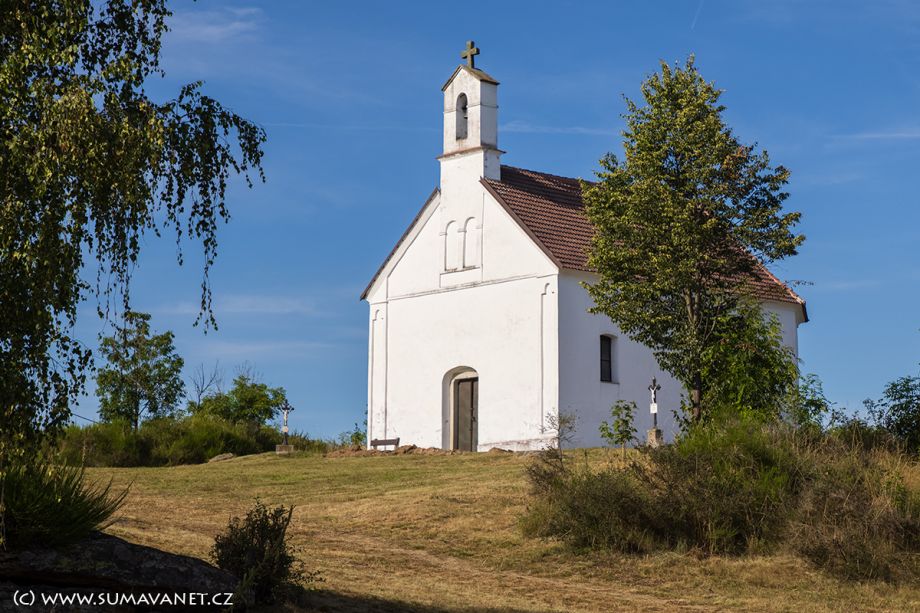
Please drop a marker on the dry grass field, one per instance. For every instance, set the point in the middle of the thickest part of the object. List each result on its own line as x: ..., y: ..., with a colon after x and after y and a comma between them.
x: 440, y: 533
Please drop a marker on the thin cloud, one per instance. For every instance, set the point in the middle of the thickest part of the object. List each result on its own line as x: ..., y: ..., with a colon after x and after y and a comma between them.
x: 523, y: 127
x: 348, y: 128
x: 236, y: 350
x: 830, y: 178
x: 245, y: 11
x: 214, y: 26
x: 908, y: 134
x: 697, y: 15
x: 847, y: 286
x: 243, y: 304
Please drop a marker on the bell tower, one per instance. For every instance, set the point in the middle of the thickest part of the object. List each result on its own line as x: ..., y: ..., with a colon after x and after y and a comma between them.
x: 470, y: 124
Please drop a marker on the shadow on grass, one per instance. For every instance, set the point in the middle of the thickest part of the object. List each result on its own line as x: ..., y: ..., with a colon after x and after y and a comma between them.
x: 335, y: 602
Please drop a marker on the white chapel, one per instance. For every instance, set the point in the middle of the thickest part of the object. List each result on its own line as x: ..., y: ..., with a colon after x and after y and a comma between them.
x: 479, y: 327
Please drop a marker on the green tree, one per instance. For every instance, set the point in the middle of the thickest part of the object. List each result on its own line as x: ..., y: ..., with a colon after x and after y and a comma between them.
x: 89, y: 165
x: 809, y: 407
x: 248, y: 400
x: 898, y: 411
x: 621, y: 430
x: 682, y: 223
x: 143, y: 374
x: 747, y: 369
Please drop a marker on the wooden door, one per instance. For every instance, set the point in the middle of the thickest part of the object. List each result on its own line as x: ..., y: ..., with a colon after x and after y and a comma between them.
x: 466, y: 415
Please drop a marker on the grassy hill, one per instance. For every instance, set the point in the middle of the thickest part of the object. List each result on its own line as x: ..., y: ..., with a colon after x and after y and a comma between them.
x: 440, y: 533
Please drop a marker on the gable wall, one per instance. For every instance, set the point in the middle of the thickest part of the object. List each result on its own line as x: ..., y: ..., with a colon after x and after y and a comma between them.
x: 497, y: 316
x: 500, y: 250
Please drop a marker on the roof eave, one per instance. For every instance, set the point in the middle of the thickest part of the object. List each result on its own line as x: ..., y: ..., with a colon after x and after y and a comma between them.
x: 479, y: 74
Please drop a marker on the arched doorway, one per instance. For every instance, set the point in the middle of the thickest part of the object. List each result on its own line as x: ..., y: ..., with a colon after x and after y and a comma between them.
x: 461, y: 409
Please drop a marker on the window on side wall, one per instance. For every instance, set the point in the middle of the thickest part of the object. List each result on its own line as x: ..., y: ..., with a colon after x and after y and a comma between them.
x: 607, y: 358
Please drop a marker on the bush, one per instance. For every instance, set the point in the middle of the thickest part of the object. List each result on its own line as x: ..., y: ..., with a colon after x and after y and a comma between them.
x: 747, y: 370
x: 202, y: 437
x: 168, y: 441
x: 607, y: 510
x: 720, y: 490
x: 857, y: 518
x: 257, y: 550
x: 303, y: 443
x: 48, y: 504
x: 620, y: 431
x: 898, y: 411
x: 356, y: 437
x: 738, y: 488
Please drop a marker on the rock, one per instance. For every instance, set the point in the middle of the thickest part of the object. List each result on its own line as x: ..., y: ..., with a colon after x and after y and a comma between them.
x: 404, y: 449
x: 109, y: 564
x: 221, y: 457
x: 498, y: 450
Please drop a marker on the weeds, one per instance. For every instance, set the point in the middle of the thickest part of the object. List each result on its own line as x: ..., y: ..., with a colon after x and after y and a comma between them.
x: 46, y: 504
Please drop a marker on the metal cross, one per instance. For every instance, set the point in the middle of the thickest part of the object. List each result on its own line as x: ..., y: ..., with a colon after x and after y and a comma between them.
x: 653, y: 388
x: 286, y: 408
x: 469, y: 53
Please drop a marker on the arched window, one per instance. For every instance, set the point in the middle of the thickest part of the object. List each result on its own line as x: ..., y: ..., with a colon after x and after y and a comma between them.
x: 462, y: 116
x: 470, y: 244
x: 607, y: 358
x: 452, y: 246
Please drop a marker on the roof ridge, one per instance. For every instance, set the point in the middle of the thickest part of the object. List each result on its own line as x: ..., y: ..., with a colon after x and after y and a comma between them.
x: 547, y: 174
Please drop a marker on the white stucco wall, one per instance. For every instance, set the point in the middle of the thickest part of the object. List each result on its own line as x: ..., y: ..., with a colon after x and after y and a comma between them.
x: 580, y: 389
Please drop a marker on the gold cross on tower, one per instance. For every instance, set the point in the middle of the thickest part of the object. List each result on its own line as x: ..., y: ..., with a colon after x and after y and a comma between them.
x: 469, y: 53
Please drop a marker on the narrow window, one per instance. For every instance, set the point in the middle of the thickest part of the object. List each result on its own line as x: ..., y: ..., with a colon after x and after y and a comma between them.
x: 606, y: 359
x: 452, y: 246
x: 461, y: 116
x: 470, y: 244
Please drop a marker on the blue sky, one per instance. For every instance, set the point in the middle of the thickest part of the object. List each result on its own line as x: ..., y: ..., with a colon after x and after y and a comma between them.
x: 349, y: 94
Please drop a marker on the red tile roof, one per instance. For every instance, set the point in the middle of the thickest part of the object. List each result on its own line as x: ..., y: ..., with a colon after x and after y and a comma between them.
x: 550, y: 209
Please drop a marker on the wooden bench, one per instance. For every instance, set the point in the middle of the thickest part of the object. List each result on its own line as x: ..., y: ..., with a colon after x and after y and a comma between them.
x: 383, y: 442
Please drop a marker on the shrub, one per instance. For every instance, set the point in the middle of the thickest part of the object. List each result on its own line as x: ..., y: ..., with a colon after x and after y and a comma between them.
x: 168, y: 441
x: 723, y: 488
x: 51, y: 504
x: 103, y: 444
x: 303, y: 443
x: 621, y: 430
x: 203, y: 436
x: 856, y: 433
x: 741, y: 487
x: 257, y: 550
x: 898, y: 411
x: 720, y: 489
x: 857, y: 518
x: 356, y: 437
x: 747, y: 370
x: 606, y: 510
